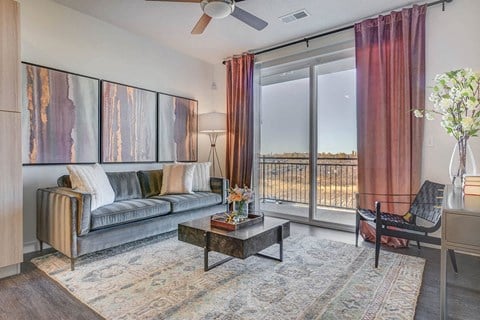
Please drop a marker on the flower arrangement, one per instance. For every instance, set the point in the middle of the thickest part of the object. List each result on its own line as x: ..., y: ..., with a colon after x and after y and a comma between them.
x: 456, y: 98
x: 240, y: 198
x: 239, y: 194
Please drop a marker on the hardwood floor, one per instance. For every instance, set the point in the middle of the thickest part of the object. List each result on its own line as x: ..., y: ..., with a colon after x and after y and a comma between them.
x: 33, y: 295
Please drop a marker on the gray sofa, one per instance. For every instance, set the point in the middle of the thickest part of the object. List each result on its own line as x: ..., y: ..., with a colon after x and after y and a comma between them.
x: 65, y: 221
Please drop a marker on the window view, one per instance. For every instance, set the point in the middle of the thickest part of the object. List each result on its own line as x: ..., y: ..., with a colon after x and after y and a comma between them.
x: 284, y: 135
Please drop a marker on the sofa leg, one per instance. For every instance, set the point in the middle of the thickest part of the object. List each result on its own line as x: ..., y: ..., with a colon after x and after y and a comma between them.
x: 41, y: 246
x: 72, y: 264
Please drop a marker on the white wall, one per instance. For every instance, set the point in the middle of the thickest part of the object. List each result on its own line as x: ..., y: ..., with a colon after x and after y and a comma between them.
x: 453, y: 42
x: 219, y: 104
x: 56, y: 36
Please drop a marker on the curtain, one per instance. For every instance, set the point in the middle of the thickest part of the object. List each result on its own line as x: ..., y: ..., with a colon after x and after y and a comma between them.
x: 390, y: 58
x: 239, y: 156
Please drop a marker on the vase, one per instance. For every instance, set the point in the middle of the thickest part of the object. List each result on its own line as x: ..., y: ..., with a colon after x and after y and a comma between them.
x: 241, y: 208
x: 462, y: 162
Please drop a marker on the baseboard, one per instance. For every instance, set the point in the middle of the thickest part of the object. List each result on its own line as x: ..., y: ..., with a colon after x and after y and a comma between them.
x: 9, y: 270
x: 33, y: 246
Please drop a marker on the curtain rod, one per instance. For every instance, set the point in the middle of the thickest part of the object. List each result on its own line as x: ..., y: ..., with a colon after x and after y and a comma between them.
x: 307, y: 39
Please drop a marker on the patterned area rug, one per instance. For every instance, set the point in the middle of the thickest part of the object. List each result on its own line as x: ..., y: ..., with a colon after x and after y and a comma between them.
x: 319, y: 279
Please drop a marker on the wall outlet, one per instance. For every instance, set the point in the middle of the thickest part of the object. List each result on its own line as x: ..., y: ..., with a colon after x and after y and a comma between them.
x: 430, y: 142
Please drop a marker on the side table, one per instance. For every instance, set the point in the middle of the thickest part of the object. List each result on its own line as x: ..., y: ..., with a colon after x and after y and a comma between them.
x: 460, y: 231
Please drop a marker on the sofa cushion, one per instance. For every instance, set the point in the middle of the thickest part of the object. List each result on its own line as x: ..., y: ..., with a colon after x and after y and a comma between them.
x: 150, y: 182
x: 184, y: 202
x: 64, y: 181
x: 125, y: 185
x: 128, y: 211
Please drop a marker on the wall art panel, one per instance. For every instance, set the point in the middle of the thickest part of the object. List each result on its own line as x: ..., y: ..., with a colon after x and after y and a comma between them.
x: 128, y: 124
x: 59, y: 116
x: 178, y: 128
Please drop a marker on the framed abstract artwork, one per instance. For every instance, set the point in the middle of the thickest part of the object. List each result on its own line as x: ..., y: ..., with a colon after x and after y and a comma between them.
x: 60, y: 114
x: 177, y: 128
x: 128, y: 124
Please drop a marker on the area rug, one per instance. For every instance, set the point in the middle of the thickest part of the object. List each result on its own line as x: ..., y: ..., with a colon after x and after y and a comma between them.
x: 318, y: 279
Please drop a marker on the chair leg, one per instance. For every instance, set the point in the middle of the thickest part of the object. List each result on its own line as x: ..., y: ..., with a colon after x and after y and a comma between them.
x: 378, y: 232
x: 377, y: 247
x: 454, y: 260
x: 72, y: 264
x: 357, y: 229
x: 418, y: 245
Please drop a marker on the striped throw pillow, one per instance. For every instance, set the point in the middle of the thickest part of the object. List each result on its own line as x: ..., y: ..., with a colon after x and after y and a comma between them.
x: 177, y: 178
x: 92, y: 179
x: 201, y: 177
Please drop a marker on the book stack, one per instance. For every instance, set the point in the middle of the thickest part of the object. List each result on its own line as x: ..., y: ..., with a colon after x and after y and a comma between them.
x: 471, y: 185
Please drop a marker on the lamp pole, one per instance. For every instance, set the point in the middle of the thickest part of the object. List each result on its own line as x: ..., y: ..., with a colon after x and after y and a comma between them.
x: 213, y: 155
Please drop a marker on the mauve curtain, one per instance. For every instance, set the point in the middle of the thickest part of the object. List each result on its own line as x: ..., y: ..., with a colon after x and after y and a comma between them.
x: 390, y: 58
x: 240, y: 120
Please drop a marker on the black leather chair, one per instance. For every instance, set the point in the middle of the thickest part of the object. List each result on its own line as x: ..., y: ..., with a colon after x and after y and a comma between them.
x: 426, y: 205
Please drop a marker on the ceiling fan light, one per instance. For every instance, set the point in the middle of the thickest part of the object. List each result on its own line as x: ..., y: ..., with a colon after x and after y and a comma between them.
x: 218, y: 8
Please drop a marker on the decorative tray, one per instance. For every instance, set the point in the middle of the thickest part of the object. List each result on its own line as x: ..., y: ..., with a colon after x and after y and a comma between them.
x: 220, y: 221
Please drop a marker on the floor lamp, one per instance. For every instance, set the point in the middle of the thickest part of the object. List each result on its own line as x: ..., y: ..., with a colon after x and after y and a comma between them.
x: 213, y: 124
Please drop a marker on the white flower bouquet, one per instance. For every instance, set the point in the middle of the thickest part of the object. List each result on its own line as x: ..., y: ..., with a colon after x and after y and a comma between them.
x: 456, y: 98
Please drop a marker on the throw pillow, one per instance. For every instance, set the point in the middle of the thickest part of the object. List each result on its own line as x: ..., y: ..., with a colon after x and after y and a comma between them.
x: 177, y: 178
x: 92, y: 179
x: 201, y: 177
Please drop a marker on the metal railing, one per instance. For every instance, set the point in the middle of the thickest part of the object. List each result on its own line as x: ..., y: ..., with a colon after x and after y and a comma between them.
x: 286, y: 179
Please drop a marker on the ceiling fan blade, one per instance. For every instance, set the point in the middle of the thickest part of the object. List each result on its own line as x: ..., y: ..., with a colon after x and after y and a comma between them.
x: 201, y: 24
x: 250, y: 19
x: 195, y: 1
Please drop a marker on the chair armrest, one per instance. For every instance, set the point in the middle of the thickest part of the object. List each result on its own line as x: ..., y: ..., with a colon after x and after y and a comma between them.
x: 62, y: 215
x: 357, y: 199
x: 387, y: 194
x: 220, y: 186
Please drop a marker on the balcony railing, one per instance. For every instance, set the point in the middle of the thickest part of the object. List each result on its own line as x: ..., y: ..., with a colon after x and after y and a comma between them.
x: 286, y: 179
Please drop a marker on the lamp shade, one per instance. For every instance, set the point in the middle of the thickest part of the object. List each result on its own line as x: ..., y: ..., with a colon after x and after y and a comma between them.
x: 212, y: 122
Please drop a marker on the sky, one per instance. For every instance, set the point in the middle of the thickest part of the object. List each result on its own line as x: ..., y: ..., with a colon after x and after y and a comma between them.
x: 284, y: 115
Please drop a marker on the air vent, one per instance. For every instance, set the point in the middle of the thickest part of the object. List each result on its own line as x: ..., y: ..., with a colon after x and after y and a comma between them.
x: 294, y: 16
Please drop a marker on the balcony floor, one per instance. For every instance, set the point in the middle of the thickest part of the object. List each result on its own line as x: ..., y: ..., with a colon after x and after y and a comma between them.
x: 299, y: 212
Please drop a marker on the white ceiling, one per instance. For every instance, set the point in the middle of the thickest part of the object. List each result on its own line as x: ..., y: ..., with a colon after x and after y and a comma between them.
x: 170, y: 23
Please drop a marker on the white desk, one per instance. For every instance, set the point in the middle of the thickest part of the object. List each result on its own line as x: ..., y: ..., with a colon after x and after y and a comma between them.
x: 460, y: 231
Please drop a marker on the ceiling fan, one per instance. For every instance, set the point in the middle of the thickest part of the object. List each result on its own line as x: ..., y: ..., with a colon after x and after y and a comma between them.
x: 218, y: 9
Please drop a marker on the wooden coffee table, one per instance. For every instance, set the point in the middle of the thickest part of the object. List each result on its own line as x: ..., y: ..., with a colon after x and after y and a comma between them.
x: 241, y: 243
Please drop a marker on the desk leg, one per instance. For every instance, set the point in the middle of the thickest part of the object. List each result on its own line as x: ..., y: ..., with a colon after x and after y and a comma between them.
x: 443, y: 284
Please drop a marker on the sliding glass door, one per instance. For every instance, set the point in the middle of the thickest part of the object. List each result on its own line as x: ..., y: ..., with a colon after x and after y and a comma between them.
x: 307, y: 165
